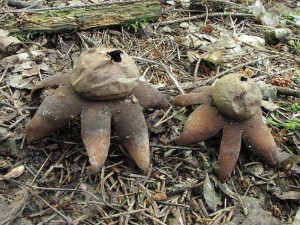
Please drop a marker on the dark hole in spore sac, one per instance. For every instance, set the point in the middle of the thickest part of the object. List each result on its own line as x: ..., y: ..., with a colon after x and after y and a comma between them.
x: 115, y: 55
x: 244, y: 78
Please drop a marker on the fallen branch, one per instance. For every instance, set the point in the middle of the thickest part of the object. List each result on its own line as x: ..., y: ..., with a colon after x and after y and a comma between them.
x: 288, y: 91
x: 80, y: 17
x: 191, y: 18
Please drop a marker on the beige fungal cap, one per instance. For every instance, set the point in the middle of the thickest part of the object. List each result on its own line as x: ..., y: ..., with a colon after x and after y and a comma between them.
x: 104, y: 74
x: 237, y: 96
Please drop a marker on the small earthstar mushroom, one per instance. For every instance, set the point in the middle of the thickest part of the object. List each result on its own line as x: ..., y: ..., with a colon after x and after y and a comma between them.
x: 232, y: 105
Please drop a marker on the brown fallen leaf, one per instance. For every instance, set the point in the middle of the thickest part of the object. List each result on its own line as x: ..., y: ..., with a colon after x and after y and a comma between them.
x: 159, y: 196
x: 17, y: 206
x: 291, y: 164
x: 8, y: 43
x: 4, y: 164
x: 30, y: 69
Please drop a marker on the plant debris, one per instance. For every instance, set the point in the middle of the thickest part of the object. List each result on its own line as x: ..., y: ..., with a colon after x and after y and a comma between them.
x: 170, y: 54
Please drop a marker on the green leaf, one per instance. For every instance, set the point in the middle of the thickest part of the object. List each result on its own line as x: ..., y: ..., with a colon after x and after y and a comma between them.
x: 291, y: 124
x: 181, y: 117
x: 209, y: 193
x: 292, y: 107
x: 272, y: 123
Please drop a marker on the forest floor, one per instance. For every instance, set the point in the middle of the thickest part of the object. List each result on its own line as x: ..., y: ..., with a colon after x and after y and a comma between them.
x: 46, y: 182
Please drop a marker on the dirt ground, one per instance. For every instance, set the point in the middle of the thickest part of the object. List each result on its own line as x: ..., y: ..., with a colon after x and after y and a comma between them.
x: 46, y: 182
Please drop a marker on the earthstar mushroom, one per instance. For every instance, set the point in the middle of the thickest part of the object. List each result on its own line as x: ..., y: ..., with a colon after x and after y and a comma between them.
x: 233, y: 105
x: 103, y: 89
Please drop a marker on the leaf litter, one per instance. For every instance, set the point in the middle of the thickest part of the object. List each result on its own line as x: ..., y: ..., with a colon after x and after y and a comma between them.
x: 176, y: 190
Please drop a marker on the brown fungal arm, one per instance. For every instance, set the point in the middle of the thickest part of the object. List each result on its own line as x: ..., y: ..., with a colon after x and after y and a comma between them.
x: 204, y: 89
x: 54, y: 112
x: 149, y: 97
x: 202, y: 124
x: 259, y: 140
x: 196, y: 97
x: 130, y: 125
x: 229, y: 151
x: 95, y: 133
x: 52, y: 81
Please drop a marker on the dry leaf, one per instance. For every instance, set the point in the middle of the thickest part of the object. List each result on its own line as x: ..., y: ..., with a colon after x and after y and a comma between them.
x: 5, y: 164
x: 159, y: 196
x: 30, y: 69
x: 294, y: 195
x: 7, y: 42
x: 209, y: 193
x: 15, y: 172
x: 4, y: 32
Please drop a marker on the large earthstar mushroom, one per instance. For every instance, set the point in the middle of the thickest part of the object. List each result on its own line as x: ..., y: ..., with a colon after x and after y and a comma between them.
x: 103, y: 89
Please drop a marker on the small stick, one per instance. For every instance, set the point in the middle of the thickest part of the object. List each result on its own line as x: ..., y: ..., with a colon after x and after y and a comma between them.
x: 41, y: 168
x: 203, y: 209
x: 4, y: 72
x: 146, y: 60
x: 82, y: 40
x: 123, y: 214
x: 185, y: 19
x: 173, y: 204
x: 178, y: 147
x: 102, y: 183
x: 154, y: 219
x: 197, y: 67
x: 175, y: 81
x: 18, y: 121
x: 170, y: 117
x: 60, y: 189
x: 45, y: 221
x: 164, y: 116
x: 55, y: 210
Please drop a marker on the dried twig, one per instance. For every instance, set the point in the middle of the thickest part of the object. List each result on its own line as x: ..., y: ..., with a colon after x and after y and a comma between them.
x: 183, y: 109
x: 201, y: 17
x: 35, y: 177
x: 179, y: 147
x: 175, y: 81
x: 53, y: 208
x: 123, y: 214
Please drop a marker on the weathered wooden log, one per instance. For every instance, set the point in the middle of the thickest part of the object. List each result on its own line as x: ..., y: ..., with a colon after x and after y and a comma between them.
x: 79, y: 17
x: 288, y: 91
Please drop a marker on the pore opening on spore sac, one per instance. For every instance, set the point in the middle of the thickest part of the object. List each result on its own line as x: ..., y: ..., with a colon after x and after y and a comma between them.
x: 115, y: 55
x: 244, y: 78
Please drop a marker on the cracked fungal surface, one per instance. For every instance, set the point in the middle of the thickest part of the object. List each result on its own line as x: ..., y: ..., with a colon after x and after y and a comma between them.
x: 104, y: 90
x: 232, y: 105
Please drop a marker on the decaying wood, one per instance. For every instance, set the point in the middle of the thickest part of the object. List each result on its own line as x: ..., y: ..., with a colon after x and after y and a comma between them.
x: 288, y: 91
x: 80, y: 17
x: 18, y: 4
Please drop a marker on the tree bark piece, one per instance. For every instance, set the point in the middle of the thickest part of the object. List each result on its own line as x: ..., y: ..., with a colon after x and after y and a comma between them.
x: 288, y: 91
x: 18, y: 3
x: 80, y: 17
